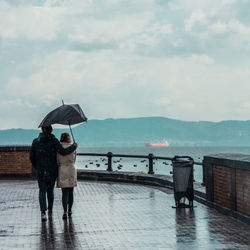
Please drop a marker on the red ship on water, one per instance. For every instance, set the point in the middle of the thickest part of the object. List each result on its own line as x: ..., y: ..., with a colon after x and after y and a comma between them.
x: 162, y: 144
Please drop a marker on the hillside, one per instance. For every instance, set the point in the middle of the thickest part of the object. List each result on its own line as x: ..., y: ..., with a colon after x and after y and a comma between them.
x: 138, y: 131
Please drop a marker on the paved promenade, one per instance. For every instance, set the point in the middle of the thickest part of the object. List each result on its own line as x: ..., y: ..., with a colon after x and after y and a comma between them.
x: 113, y: 216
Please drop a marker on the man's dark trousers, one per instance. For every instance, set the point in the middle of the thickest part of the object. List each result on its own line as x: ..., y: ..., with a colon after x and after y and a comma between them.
x: 46, y: 187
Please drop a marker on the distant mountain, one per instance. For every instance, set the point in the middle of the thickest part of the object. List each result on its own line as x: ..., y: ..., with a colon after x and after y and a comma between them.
x: 138, y: 131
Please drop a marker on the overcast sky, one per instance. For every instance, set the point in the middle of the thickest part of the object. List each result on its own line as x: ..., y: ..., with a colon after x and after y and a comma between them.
x: 182, y: 59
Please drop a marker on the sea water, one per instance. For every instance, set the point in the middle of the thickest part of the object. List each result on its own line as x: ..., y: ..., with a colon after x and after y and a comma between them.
x: 160, y: 166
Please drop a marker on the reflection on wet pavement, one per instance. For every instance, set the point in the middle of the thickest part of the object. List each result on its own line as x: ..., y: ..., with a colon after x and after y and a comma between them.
x: 113, y: 216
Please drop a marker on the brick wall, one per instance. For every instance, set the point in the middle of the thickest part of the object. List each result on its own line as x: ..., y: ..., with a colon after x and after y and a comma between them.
x: 15, y: 160
x: 222, y: 188
x: 243, y: 191
x: 222, y: 191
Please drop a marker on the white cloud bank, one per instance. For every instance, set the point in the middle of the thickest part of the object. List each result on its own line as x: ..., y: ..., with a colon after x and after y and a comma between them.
x: 181, y: 59
x: 30, y: 22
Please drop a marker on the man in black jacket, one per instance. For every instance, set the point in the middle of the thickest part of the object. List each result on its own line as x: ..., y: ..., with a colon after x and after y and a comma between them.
x: 43, y: 156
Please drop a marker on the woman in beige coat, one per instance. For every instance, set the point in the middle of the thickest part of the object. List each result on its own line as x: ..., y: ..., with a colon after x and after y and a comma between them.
x: 67, y: 176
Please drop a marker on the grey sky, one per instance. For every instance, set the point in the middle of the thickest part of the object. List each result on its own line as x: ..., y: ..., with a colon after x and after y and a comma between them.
x: 183, y: 59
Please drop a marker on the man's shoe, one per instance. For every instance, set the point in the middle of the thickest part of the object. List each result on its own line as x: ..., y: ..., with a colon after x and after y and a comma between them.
x: 50, y: 215
x: 69, y: 213
x: 64, y: 216
x: 43, y: 216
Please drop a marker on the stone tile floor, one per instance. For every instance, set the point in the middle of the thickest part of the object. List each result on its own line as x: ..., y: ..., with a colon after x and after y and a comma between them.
x: 113, y: 216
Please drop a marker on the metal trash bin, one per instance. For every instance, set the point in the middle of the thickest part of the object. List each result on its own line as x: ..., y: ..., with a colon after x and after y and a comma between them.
x: 183, y: 180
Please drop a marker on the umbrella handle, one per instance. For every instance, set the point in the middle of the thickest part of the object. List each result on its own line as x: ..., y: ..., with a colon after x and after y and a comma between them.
x: 70, y: 127
x: 71, y: 133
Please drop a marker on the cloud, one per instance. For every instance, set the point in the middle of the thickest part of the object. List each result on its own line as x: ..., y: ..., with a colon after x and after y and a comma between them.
x: 108, y: 30
x: 233, y: 26
x: 29, y: 22
x: 197, y: 16
x: 211, y: 7
x: 111, y: 84
x: 182, y: 59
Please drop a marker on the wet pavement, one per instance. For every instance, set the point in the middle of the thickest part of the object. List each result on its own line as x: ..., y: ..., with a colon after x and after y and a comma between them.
x: 113, y: 216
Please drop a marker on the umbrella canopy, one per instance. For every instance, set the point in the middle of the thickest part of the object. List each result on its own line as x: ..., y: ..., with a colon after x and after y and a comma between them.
x: 67, y: 114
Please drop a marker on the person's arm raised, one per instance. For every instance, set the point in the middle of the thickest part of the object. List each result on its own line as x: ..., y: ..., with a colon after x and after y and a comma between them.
x: 66, y: 151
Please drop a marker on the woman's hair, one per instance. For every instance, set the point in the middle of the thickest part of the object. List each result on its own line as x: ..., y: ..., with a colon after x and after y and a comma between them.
x: 65, y: 137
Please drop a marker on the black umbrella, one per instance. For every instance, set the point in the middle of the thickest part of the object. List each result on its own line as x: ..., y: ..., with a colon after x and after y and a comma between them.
x: 67, y: 114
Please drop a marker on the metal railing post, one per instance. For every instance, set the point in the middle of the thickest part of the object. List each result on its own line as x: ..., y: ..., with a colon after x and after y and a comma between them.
x: 150, y: 164
x: 109, y: 155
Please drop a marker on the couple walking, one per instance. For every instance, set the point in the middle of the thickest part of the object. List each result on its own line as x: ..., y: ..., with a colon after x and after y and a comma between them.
x: 54, y: 161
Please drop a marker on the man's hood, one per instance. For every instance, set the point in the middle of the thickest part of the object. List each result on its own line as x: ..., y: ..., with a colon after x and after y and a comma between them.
x: 43, y: 137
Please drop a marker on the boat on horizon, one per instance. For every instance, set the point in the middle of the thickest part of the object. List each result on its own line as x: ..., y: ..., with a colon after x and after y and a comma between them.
x: 157, y: 144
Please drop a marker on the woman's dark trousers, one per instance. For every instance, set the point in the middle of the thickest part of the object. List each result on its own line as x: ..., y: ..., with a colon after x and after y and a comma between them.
x: 67, y: 199
x: 46, y: 187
